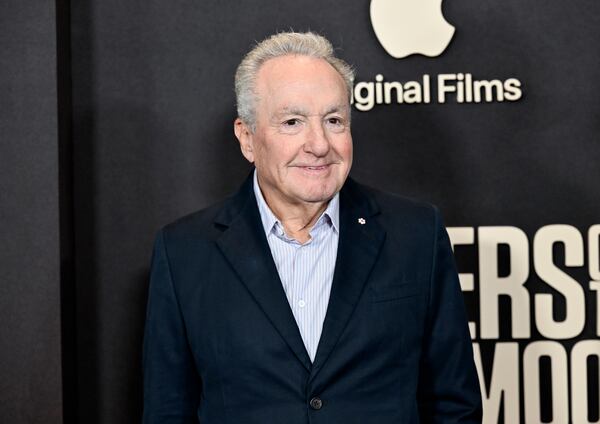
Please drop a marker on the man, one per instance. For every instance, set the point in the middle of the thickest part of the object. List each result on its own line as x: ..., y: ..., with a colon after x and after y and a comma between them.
x: 305, y: 297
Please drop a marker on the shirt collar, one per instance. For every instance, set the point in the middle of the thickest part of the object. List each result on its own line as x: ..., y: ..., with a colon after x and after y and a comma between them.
x: 269, y: 220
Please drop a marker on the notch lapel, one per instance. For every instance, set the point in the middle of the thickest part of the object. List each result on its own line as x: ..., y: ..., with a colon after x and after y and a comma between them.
x: 360, y: 241
x: 245, y: 246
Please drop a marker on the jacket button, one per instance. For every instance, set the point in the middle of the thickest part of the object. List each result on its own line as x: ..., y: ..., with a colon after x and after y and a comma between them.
x: 316, y: 403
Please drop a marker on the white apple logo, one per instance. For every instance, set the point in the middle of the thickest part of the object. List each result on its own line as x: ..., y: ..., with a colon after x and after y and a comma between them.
x: 405, y: 27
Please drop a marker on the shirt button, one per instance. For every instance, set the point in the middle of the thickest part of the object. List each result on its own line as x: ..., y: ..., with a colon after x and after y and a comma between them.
x: 316, y: 403
x: 302, y: 303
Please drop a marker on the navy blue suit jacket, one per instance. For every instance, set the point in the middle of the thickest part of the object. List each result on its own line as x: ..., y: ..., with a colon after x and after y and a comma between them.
x: 221, y: 345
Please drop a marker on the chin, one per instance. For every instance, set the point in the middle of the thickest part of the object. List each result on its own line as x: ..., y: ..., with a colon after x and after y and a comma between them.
x: 317, y: 199
x: 320, y: 194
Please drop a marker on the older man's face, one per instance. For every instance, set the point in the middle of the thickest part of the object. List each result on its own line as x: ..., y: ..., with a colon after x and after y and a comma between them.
x: 302, y: 146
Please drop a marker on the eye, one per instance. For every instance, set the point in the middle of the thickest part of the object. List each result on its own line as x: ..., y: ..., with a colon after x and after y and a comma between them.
x: 291, y: 122
x: 291, y: 126
x: 335, y: 123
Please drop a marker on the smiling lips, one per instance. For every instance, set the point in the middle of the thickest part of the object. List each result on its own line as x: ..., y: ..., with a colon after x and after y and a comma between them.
x: 314, y: 169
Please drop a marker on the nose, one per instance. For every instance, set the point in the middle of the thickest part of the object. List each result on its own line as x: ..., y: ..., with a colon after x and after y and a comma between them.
x: 317, y: 141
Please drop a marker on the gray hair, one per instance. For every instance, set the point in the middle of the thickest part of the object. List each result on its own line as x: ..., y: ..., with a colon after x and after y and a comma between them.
x: 282, y: 44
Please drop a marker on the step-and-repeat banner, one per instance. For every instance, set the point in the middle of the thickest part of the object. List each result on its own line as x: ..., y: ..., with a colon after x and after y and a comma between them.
x: 487, y: 109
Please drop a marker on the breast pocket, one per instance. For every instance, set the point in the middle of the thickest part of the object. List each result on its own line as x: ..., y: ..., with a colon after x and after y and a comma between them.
x: 388, y: 292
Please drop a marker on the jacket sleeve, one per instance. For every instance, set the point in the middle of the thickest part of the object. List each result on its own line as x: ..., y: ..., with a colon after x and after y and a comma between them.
x: 171, y: 382
x: 448, y: 384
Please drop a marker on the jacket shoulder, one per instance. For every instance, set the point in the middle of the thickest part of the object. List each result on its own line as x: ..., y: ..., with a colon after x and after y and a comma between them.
x: 196, y: 225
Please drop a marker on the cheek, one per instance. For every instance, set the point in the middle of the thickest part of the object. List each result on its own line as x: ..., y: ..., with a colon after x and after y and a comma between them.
x: 343, y: 147
x: 285, y: 151
x: 275, y: 155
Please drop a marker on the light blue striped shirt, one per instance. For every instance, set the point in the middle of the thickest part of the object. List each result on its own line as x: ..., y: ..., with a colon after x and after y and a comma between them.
x: 305, y: 270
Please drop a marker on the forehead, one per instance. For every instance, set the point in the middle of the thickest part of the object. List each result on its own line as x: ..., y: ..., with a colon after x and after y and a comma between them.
x: 289, y: 81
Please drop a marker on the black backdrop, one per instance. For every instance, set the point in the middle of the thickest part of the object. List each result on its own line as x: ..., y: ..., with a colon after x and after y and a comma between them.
x: 117, y: 118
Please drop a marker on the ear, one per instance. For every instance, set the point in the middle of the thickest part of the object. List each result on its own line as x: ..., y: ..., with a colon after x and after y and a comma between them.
x: 244, y: 136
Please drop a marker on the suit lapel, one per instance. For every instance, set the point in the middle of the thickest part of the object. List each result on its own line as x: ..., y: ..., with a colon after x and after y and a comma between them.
x: 245, y: 246
x: 360, y: 241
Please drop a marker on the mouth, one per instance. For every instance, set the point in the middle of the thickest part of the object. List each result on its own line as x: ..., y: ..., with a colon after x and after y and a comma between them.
x: 315, y: 168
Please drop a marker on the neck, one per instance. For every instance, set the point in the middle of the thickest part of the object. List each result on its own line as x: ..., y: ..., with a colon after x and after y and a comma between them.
x: 296, y: 219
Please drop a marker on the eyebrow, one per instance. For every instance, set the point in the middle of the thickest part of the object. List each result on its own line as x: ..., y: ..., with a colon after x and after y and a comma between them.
x: 336, y: 108
x: 293, y: 110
